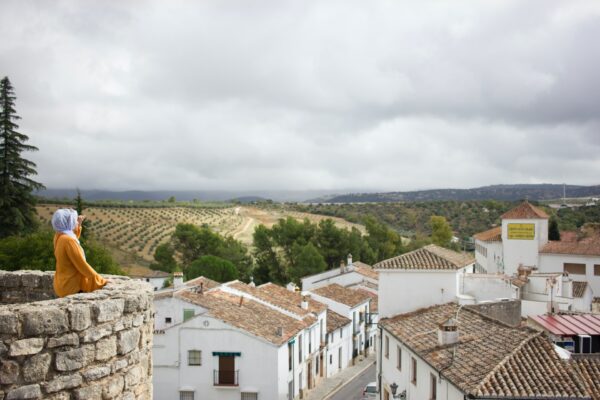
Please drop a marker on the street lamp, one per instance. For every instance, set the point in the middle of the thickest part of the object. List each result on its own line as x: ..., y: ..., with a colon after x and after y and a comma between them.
x: 394, y: 388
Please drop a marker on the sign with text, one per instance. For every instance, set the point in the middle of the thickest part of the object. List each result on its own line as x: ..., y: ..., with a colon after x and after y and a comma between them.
x: 521, y: 231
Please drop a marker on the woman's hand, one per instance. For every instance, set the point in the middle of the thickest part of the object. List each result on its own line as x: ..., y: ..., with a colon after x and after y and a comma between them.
x: 80, y: 219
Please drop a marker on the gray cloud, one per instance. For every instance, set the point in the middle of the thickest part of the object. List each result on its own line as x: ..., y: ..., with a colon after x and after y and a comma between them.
x: 380, y: 95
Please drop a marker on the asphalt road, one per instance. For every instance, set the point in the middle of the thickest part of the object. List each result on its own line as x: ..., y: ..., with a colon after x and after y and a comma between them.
x: 353, y: 390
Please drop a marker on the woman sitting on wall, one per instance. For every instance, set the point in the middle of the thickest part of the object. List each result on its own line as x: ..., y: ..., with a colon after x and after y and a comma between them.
x: 73, y: 274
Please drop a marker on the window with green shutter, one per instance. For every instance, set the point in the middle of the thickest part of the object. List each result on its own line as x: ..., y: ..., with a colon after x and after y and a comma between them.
x: 187, y: 314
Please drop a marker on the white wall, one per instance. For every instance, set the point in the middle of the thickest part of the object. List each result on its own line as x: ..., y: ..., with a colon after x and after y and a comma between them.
x: 584, y: 304
x: 402, y: 291
x: 493, y: 262
x: 391, y: 374
x: 157, y: 283
x: 335, y: 343
x: 172, y: 307
x: 486, y: 287
x: 523, y: 251
x: 554, y: 263
x: 333, y: 276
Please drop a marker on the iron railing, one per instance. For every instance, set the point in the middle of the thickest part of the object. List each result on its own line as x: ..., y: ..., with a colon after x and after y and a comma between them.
x: 226, y: 378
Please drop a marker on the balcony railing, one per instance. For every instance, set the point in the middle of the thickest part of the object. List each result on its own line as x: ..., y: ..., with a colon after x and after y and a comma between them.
x: 226, y: 378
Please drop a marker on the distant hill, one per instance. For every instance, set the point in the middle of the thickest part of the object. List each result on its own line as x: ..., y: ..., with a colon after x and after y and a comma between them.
x: 496, y: 192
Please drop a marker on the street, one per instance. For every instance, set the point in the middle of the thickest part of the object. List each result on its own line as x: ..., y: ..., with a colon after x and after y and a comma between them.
x: 353, y: 389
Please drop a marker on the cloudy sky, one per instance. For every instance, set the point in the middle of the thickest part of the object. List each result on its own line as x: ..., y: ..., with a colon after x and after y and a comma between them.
x: 369, y: 95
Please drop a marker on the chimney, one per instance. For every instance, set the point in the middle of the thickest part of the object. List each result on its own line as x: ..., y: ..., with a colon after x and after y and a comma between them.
x: 342, y: 267
x: 241, y: 300
x: 201, y: 287
x: 280, y: 331
x: 252, y: 284
x: 177, y: 280
x: 304, y: 303
x: 349, y: 259
x: 448, y: 332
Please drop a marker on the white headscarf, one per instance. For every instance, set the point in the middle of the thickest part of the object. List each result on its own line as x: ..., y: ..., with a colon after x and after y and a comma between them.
x: 64, y: 221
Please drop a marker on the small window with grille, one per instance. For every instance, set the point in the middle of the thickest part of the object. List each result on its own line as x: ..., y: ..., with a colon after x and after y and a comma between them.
x: 249, y: 396
x: 194, y: 357
x: 186, y: 395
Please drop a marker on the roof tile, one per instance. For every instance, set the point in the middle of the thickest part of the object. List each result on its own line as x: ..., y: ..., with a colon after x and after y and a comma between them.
x: 525, y: 210
x: 335, y: 292
x: 430, y: 257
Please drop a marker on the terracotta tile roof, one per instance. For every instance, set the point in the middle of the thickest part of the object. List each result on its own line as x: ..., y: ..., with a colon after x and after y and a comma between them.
x: 525, y: 210
x: 295, y: 298
x: 589, y: 246
x: 430, y: 257
x: 250, y: 316
x: 207, y: 283
x: 596, y: 300
x: 369, y: 272
x: 163, y: 295
x: 373, y: 306
x: 589, y: 371
x: 336, y: 321
x: 490, y: 359
x: 275, y: 300
x: 335, y: 292
x: 491, y: 235
x: 579, y: 290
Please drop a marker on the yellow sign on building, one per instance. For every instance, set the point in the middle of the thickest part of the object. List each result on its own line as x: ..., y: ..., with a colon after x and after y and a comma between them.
x: 521, y: 231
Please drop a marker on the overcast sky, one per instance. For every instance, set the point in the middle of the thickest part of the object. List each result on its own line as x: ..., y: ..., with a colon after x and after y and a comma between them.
x: 369, y: 95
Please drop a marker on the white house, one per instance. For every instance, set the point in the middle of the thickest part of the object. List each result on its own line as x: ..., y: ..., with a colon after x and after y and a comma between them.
x: 453, y: 352
x: 228, y: 347
x: 522, y: 241
x: 352, y: 274
x: 155, y: 278
x: 352, y: 304
x: 339, y: 343
x: 420, y: 278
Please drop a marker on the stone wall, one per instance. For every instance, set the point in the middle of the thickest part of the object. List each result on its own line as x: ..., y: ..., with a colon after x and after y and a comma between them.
x: 92, y: 346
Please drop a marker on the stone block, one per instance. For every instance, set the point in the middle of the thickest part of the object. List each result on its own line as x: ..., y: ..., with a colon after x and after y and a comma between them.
x: 80, y: 316
x: 124, y: 322
x: 96, y: 373
x: 75, y: 359
x: 132, y: 304
x: 3, y: 348
x: 106, y: 348
x: 59, y: 396
x: 26, y: 347
x: 36, y: 368
x: 138, y: 320
x: 112, y: 387
x: 128, y: 396
x: 10, y: 280
x: 128, y: 341
x: 9, y: 323
x: 120, y: 364
x: 31, y: 279
x: 9, y: 372
x: 70, y: 339
x: 92, y: 392
x: 29, y: 392
x: 96, y: 333
x: 64, y: 382
x: 46, y: 320
x: 108, y: 310
x: 133, y: 377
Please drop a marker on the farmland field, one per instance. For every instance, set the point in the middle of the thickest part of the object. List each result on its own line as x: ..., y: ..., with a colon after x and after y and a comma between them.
x: 138, y: 231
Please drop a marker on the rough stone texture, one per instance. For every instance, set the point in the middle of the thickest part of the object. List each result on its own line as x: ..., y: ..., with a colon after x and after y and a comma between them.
x: 70, y: 339
x: 44, y: 321
x: 26, y: 347
x: 106, y: 348
x: 85, y: 346
x: 64, y: 382
x: 36, y: 367
x: 28, y: 392
x: 128, y: 341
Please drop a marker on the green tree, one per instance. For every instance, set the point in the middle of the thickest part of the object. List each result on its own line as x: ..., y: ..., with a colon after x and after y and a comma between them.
x: 17, y: 204
x: 171, y: 199
x: 441, y: 233
x: 384, y: 242
x: 212, y: 267
x: 308, y: 261
x: 267, y: 265
x: 331, y: 242
x: 164, y: 255
x: 553, y: 232
x: 79, y: 208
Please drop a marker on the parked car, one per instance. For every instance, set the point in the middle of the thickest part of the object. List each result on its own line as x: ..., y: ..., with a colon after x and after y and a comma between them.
x: 370, y: 391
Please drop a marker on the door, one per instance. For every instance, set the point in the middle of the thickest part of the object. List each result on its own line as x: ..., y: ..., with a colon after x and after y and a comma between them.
x: 321, y: 366
x: 340, y: 358
x: 226, y: 370
x: 310, y: 385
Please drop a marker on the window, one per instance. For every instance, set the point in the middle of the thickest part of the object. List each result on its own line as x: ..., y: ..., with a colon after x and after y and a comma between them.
x: 399, y: 360
x: 597, y: 269
x: 300, y: 348
x: 168, y: 320
x: 330, y: 359
x: 576, y: 269
x: 187, y: 314
x: 194, y: 357
x: 387, y: 346
x: 341, y: 332
x: 433, y: 387
x: 413, y: 371
x: 186, y: 395
x: 290, y: 356
x: 249, y: 396
x: 310, y: 335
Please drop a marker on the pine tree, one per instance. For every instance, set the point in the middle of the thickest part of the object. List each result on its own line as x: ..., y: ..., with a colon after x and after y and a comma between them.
x: 79, y: 208
x: 553, y: 231
x: 17, y: 203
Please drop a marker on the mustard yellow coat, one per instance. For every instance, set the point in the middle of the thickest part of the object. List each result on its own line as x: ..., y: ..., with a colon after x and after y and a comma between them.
x: 73, y: 274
